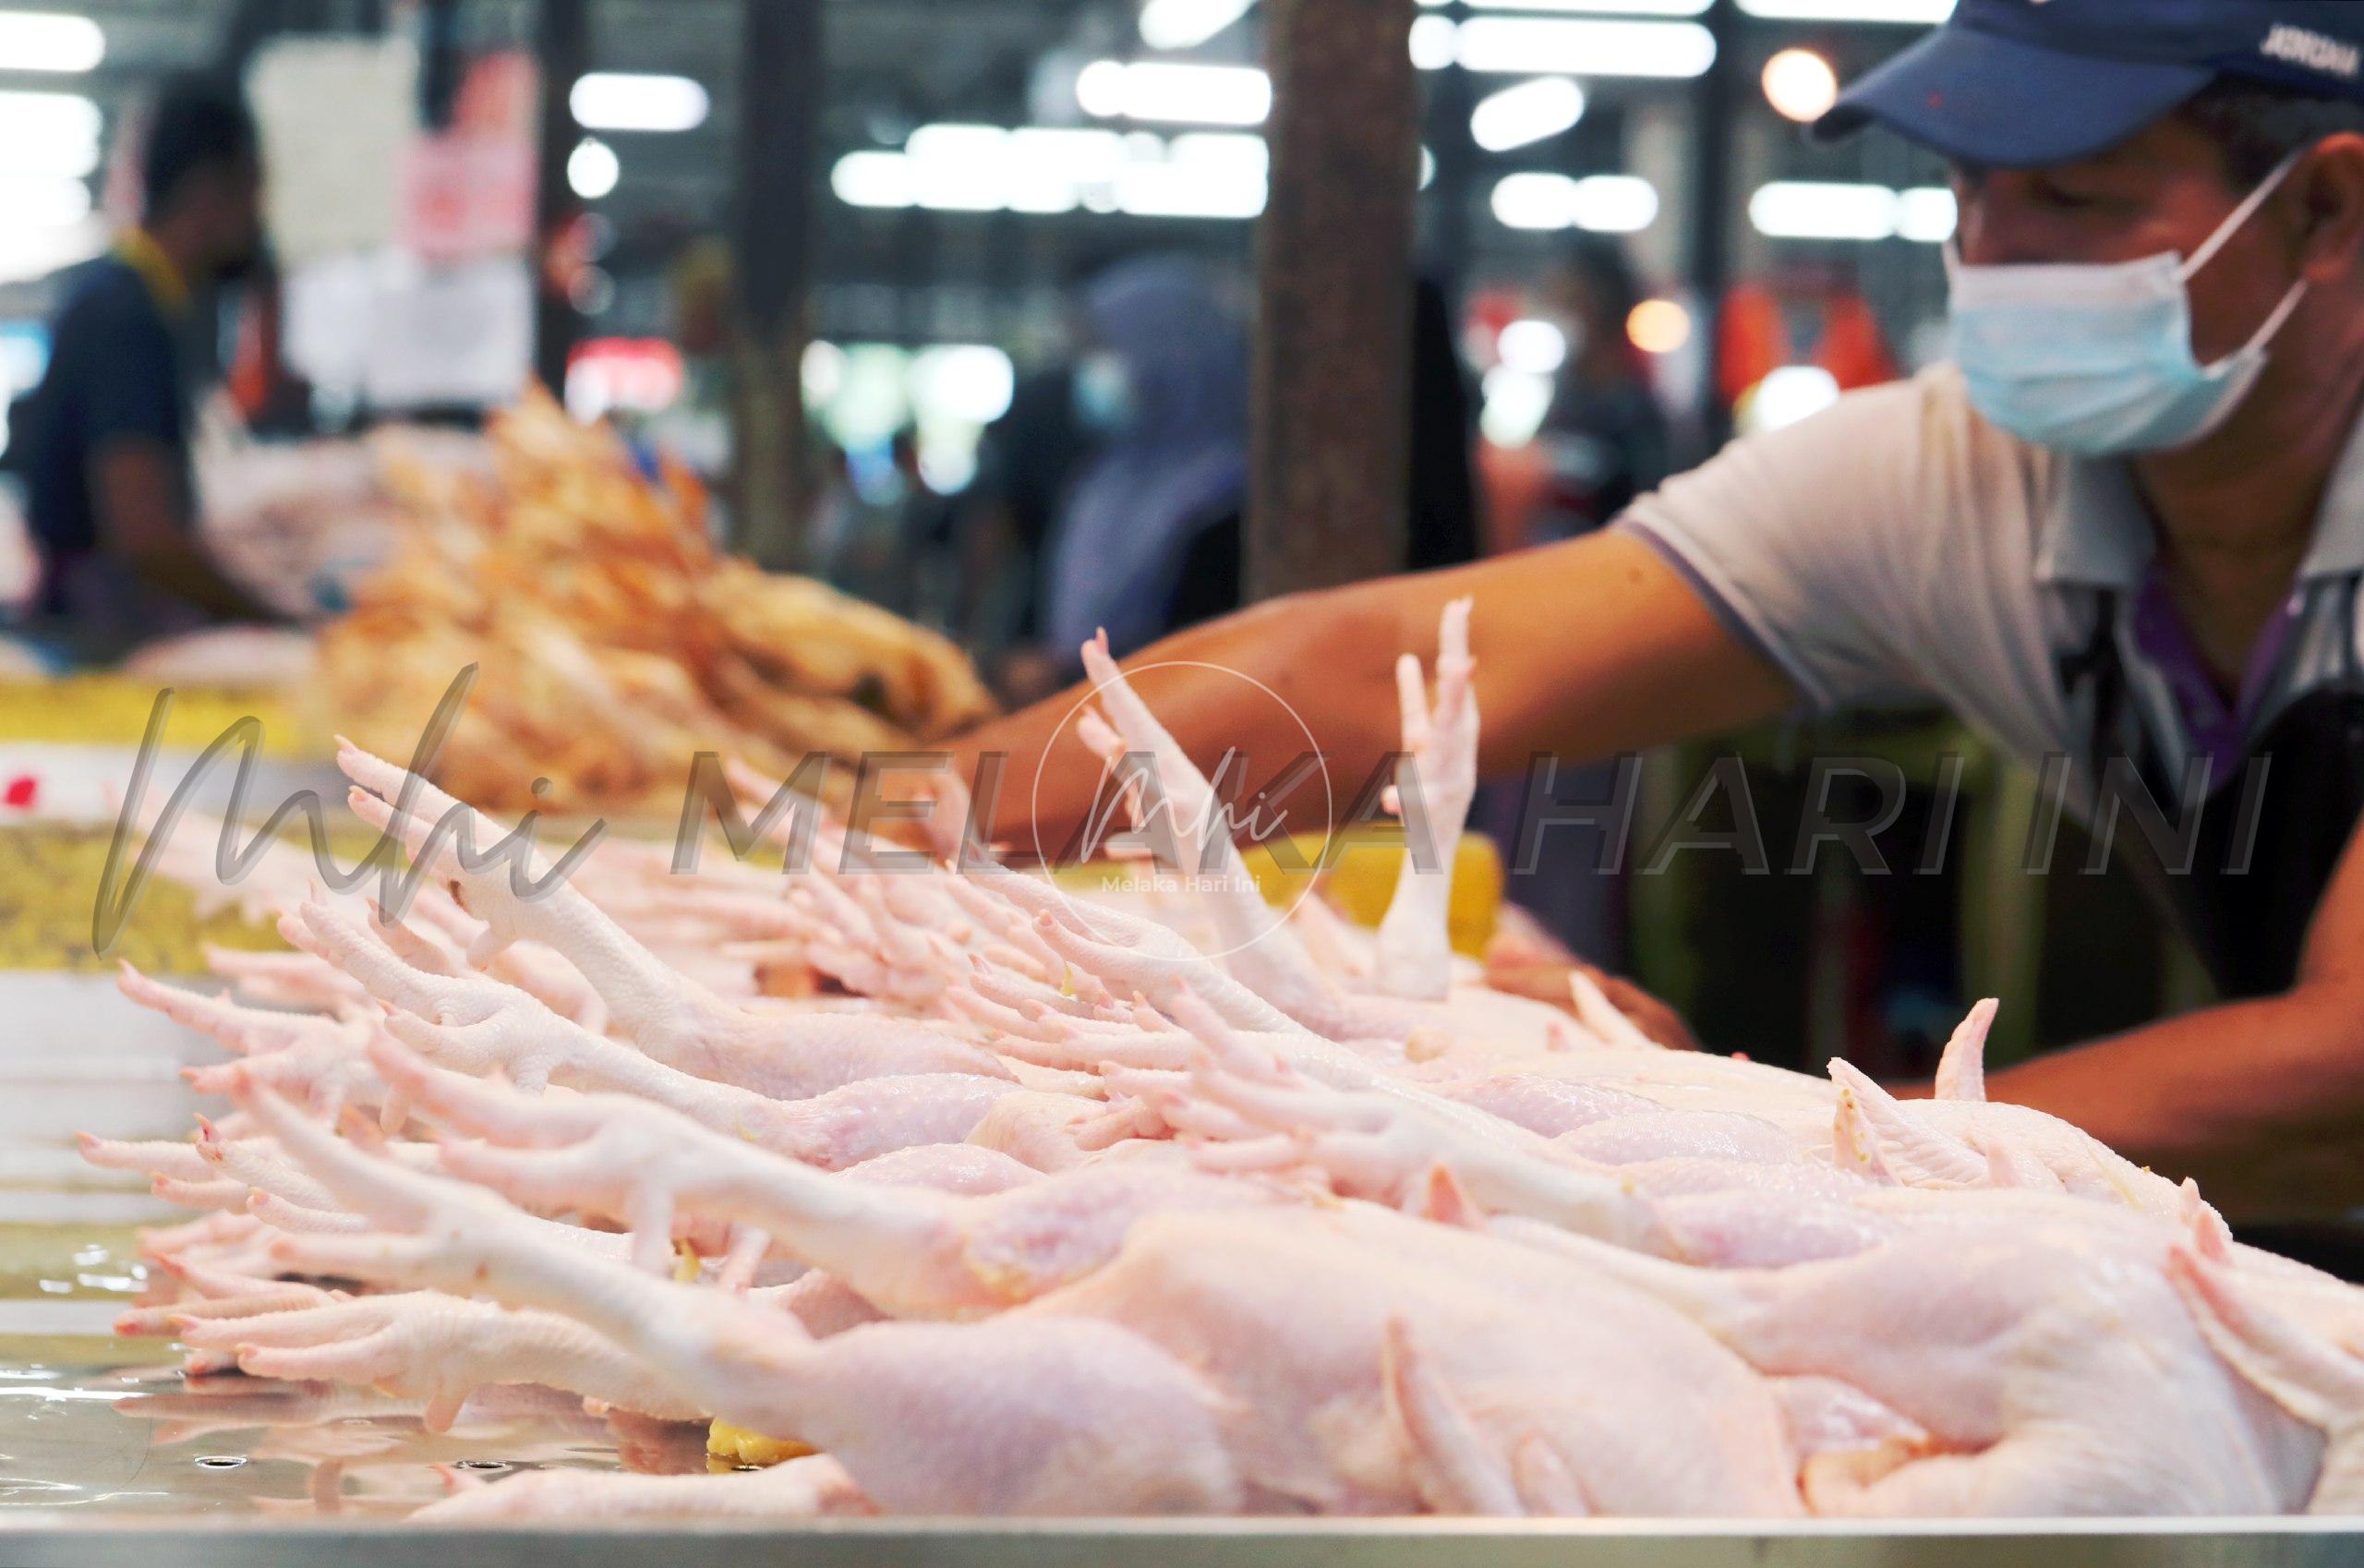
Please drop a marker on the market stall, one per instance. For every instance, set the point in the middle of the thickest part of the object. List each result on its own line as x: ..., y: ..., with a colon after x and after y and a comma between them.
x: 534, y: 1029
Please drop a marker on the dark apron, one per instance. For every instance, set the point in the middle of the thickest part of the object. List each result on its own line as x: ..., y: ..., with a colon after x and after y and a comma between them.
x: 2265, y: 857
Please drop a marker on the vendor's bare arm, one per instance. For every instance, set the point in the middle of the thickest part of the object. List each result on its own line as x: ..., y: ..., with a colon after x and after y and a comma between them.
x: 2263, y: 1101
x: 1584, y: 650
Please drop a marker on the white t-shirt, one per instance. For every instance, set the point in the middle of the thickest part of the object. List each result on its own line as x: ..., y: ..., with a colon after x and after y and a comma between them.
x: 1899, y: 547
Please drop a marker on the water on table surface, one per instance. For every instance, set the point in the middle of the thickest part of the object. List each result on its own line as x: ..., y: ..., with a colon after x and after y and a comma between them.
x: 91, y: 1421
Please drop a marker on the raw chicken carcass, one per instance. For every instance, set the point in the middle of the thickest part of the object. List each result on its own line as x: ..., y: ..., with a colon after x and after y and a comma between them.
x: 1047, y: 1202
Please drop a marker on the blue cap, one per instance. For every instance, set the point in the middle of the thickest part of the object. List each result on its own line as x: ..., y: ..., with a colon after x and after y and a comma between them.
x: 2019, y: 84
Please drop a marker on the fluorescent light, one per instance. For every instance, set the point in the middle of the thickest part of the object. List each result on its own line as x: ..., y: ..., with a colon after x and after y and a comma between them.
x: 1596, y: 7
x: 1800, y: 85
x: 1529, y: 113
x: 625, y: 101
x: 59, y: 117
x: 1534, y: 202
x: 1208, y: 183
x: 1185, y: 24
x: 1523, y: 45
x: 1536, y: 347
x: 1815, y: 209
x: 873, y: 179
x: 959, y: 168
x: 1921, y: 12
x: 1812, y: 210
x: 1615, y: 204
x: 44, y: 201
x: 65, y: 157
x: 1083, y: 151
x: 1432, y: 41
x: 1603, y: 203
x: 592, y: 169
x: 27, y: 252
x: 1176, y: 92
x: 1926, y: 215
x: 976, y: 168
x: 47, y: 41
x: 1235, y: 153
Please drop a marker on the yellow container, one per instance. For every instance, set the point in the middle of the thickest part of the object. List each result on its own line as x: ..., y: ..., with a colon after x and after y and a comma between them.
x: 1358, y: 871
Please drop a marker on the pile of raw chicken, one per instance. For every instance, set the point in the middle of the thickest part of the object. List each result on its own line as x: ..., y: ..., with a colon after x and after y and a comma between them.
x: 1169, y: 1204
x: 613, y: 642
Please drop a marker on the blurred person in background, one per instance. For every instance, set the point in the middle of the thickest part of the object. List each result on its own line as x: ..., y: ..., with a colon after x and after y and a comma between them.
x: 1151, y: 540
x: 872, y: 530
x: 110, y: 495
x: 1148, y: 541
x: 696, y: 427
x: 1604, y: 442
x: 1443, y: 517
x: 1602, y: 445
x: 272, y: 401
x: 1026, y: 461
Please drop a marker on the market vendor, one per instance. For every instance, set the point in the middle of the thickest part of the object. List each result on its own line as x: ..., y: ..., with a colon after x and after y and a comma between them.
x: 109, y: 497
x: 2126, y: 523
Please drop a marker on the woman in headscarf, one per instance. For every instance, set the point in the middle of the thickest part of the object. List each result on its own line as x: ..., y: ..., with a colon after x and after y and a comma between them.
x: 1148, y: 541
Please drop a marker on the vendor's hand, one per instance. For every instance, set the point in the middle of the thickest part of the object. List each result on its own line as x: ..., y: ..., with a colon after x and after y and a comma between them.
x: 1545, y: 979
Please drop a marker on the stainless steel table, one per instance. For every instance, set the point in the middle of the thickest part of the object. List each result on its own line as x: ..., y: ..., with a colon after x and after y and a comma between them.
x: 49, y: 1541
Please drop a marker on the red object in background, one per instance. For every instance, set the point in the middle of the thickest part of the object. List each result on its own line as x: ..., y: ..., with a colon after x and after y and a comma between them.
x: 1760, y: 329
x: 643, y: 375
x: 22, y: 791
x: 468, y: 192
x: 1482, y: 320
x: 499, y: 96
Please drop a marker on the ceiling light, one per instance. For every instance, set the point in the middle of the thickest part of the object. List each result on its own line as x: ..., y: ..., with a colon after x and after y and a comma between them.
x: 1531, y: 112
x: 592, y: 169
x: 1815, y: 210
x: 1604, y: 203
x: 1173, y: 91
x: 1926, y: 215
x: 1432, y: 41
x: 48, y: 41
x: 1523, y: 45
x: 1919, y: 12
x: 63, y: 156
x: 871, y: 179
x: 1800, y: 85
x: 979, y: 168
x: 1185, y: 24
x: 622, y: 101
x: 39, y: 201
x: 49, y: 116
x: 1596, y: 7
x: 27, y: 253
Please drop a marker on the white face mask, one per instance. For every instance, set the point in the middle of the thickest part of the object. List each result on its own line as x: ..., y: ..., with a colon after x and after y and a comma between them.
x: 2097, y: 361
